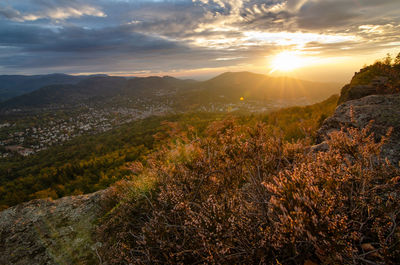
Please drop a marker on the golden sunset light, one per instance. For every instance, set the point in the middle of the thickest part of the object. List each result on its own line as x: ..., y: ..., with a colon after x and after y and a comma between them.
x: 144, y: 36
x: 199, y: 132
x: 287, y: 61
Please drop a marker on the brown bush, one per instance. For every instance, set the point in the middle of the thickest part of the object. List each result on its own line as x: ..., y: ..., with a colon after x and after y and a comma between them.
x: 242, y: 196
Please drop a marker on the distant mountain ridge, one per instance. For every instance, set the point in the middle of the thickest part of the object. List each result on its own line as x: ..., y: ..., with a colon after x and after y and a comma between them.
x: 257, y: 86
x: 68, y: 94
x: 94, y: 90
x: 15, y: 85
x: 227, y: 87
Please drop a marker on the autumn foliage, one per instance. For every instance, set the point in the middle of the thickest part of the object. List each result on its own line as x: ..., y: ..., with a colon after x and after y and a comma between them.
x: 242, y: 195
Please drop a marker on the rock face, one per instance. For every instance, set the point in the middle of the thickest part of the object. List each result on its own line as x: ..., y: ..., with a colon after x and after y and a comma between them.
x: 356, y: 92
x: 381, y: 78
x: 383, y: 109
x: 51, y: 232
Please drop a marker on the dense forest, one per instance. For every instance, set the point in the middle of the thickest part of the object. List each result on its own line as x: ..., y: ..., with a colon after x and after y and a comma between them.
x: 90, y: 163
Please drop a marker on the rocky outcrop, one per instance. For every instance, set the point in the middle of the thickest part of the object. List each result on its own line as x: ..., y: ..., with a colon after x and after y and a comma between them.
x: 377, y: 79
x: 52, y: 231
x: 355, y: 92
x: 378, y: 85
x: 383, y: 109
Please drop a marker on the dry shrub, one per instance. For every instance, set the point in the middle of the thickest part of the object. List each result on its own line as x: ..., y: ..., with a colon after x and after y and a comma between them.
x: 243, y: 196
x: 338, y: 202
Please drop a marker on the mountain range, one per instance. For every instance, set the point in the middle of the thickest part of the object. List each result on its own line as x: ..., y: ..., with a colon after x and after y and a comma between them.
x: 68, y: 91
x: 16, y: 85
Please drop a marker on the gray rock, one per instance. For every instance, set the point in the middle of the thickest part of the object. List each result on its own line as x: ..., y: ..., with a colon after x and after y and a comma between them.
x: 51, y: 231
x: 383, y: 109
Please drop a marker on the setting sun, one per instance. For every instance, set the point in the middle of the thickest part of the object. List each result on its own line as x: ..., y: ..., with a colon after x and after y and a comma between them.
x: 287, y: 61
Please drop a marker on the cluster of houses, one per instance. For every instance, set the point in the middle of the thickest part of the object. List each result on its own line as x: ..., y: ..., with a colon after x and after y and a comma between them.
x: 39, y: 137
x: 19, y: 149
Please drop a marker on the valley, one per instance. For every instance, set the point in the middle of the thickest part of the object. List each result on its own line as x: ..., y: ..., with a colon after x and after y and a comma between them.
x: 196, y: 132
x: 56, y: 113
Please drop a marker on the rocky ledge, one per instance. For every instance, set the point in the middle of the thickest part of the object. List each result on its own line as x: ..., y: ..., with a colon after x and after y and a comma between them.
x: 384, y: 110
x: 52, y: 231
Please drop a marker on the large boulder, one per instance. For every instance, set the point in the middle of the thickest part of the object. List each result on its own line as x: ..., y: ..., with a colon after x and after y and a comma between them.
x: 49, y: 231
x: 383, y: 109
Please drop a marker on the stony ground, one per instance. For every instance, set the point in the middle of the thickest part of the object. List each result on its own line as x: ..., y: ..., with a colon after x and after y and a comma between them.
x: 51, y: 232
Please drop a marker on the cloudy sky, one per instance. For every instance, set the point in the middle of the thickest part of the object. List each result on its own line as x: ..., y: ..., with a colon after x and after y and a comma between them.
x: 314, y: 39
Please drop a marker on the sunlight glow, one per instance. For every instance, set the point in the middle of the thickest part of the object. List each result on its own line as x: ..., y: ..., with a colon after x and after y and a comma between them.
x: 259, y: 38
x: 287, y: 61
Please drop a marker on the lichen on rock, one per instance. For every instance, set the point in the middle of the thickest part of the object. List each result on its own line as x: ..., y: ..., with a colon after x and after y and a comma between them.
x: 49, y: 231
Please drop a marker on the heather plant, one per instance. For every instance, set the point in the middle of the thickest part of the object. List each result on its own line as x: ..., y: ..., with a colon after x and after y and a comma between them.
x: 242, y: 195
x: 340, y: 206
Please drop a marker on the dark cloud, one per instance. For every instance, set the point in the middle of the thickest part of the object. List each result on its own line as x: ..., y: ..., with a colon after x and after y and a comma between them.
x: 9, y: 13
x: 77, y: 44
x: 96, y: 35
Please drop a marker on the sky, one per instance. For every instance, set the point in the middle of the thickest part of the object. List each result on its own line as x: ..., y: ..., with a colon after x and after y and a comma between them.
x: 321, y: 40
